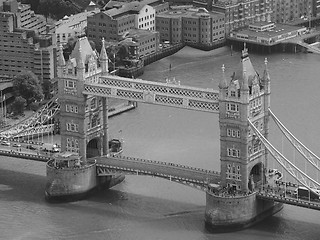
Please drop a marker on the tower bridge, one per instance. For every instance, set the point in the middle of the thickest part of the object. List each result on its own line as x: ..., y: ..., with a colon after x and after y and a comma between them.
x: 236, y: 197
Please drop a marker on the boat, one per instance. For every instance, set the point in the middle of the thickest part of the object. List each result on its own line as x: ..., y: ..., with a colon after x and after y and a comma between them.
x: 115, y: 146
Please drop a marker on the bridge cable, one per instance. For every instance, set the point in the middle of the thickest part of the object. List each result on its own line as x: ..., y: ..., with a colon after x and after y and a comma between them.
x: 29, y: 124
x: 290, y: 168
x: 298, y: 145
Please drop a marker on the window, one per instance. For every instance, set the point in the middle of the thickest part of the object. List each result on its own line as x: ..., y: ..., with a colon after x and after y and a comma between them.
x: 70, y: 84
x: 93, y: 103
x: 233, y: 152
x: 72, y: 145
x: 233, y: 107
x: 71, y: 108
x: 72, y: 127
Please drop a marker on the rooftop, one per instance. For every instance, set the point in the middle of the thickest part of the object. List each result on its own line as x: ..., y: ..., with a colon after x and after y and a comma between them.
x: 190, y: 11
x: 279, y: 29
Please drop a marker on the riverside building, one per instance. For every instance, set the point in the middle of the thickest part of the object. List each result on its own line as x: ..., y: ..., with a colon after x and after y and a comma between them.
x: 23, y: 49
x: 240, y: 13
x: 112, y: 24
x: 191, y: 25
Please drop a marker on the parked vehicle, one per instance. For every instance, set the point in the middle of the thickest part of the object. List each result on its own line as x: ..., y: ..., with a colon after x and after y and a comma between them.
x: 30, y: 147
x: 16, y: 145
x: 5, y: 143
x: 303, y: 192
x: 49, y: 147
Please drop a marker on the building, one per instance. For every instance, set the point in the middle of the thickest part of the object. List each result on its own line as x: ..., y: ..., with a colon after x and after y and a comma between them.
x: 266, y: 33
x: 25, y: 17
x: 147, y: 41
x: 240, y: 13
x: 285, y: 11
x: 118, y: 18
x: 71, y: 26
x: 24, y: 50
x: 191, y: 25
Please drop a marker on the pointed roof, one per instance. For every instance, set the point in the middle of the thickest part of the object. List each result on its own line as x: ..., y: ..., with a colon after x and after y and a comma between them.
x: 82, y: 50
x: 223, y: 81
x: 79, y: 59
x: 103, y: 53
x: 245, y: 70
x: 266, y: 76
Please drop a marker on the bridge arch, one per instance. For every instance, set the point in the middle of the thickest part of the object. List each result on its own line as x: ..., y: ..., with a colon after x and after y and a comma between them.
x: 256, y: 176
x: 94, y: 147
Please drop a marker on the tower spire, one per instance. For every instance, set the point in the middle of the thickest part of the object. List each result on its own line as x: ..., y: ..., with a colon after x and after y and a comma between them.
x: 245, y: 84
x: 80, y: 63
x: 104, y: 57
x: 223, y: 82
x: 61, y: 60
x: 266, y: 76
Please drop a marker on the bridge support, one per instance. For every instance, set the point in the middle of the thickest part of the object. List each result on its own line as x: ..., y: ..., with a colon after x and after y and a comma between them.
x: 243, y: 158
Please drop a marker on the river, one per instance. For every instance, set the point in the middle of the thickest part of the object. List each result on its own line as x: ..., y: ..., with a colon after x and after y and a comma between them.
x: 147, y: 208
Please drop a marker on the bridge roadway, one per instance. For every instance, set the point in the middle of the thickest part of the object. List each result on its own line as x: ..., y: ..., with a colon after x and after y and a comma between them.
x: 196, y: 177
x: 289, y: 199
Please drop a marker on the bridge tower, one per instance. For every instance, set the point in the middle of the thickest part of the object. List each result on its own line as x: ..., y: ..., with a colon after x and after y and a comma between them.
x: 83, y: 118
x: 245, y: 97
x: 243, y: 158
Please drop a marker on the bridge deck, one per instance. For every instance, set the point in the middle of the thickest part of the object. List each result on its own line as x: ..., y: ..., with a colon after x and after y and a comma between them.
x: 157, y: 168
x: 289, y: 200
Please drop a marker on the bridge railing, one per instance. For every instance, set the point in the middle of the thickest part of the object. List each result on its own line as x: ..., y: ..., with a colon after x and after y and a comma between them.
x: 201, y: 185
x: 168, y: 164
x: 15, y: 153
x: 289, y: 200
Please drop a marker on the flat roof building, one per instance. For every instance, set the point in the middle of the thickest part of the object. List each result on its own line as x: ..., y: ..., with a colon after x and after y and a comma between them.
x: 25, y: 50
x: 266, y: 33
x: 192, y: 25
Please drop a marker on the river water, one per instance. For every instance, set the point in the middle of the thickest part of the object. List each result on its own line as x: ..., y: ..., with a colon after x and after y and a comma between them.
x: 151, y: 208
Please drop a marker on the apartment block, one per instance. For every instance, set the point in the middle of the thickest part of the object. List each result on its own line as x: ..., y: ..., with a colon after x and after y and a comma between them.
x: 147, y: 42
x: 191, y: 25
x: 24, y: 50
x: 25, y: 17
x: 71, y: 26
x: 240, y: 13
x: 120, y: 17
x: 285, y: 11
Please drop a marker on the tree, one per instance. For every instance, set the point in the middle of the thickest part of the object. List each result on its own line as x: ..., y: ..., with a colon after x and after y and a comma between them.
x: 27, y: 85
x: 18, y: 105
x: 47, y: 88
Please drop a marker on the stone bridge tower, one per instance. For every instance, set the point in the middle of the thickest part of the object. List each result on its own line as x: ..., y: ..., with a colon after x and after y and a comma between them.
x: 242, y: 155
x: 83, y: 119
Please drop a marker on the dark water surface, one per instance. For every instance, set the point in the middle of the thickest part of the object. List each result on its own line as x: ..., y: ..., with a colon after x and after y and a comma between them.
x: 150, y: 208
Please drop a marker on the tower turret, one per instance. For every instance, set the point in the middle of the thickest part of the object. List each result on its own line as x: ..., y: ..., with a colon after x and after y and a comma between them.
x: 61, y: 62
x: 80, y: 65
x: 104, y: 58
x: 242, y: 156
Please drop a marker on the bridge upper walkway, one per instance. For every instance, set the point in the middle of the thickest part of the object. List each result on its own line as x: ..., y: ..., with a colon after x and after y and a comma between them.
x: 197, y: 177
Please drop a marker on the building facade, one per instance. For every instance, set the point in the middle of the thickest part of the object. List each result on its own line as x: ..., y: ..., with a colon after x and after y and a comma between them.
x: 285, y: 11
x: 25, y: 50
x: 240, y: 13
x: 191, y: 25
x: 25, y: 17
x: 120, y: 17
x: 146, y: 41
x: 71, y: 27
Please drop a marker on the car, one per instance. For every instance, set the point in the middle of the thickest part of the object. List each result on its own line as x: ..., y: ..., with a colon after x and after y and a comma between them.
x: 16, y: 145
x: 5, y: 143
x: 30, y: 147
